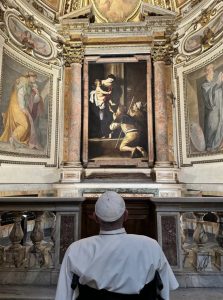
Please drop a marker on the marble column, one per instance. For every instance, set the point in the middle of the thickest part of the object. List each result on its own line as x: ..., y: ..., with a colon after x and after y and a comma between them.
x: 72, y: 169
x: 74, y: 130
x: 164, y: 169
x: 161, y: 122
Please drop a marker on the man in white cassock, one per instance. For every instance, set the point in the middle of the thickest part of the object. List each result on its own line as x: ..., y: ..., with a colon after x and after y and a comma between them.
x: 114, y: 264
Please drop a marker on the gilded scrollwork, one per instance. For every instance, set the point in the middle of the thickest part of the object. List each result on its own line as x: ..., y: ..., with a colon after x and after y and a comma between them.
x: 76, y: 4
x: 205, y: 18
x: 30, y: 23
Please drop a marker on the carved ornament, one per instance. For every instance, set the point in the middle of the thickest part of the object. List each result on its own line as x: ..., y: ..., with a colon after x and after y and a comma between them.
x: 205, y: 17
x: 73, y: 53
x: 164, y: 49
x: 30, y: 23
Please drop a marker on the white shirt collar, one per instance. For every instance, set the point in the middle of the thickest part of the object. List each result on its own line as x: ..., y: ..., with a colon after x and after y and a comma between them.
x: 111, y: 232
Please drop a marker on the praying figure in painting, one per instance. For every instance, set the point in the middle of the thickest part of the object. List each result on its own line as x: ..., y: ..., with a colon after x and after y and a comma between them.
x: 212, y: 91
x: 131, y: 140
x: 25, y: 105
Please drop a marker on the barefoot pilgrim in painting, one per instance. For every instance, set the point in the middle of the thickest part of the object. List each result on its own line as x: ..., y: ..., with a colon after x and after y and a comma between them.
x: 117, y: 110
x: 24, y: 109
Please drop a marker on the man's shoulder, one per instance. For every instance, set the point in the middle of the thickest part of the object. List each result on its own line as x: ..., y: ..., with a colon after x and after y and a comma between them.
x: 142, y: 239
x: 84, y: 241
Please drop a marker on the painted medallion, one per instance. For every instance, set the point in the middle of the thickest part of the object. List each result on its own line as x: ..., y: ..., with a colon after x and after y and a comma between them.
x: 116, y: 10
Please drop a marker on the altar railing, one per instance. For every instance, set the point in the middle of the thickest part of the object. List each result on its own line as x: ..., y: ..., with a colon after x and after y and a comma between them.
x: 190, y: 231
x: 34, y: 235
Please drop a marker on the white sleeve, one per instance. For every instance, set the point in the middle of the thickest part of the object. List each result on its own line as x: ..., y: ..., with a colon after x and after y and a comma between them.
x: 64, y: 290
x: 167, y: 276
x: 21, y: 97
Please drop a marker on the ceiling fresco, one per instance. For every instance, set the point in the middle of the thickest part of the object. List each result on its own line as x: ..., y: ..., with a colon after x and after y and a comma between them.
x: 114, y: 10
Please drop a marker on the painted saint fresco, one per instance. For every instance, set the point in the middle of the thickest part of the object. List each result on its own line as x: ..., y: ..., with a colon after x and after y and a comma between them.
x: 24, y: 109
x: 117, y: 110
x: 116, y: 10
x: 28, y: 39
x: 205, y: 104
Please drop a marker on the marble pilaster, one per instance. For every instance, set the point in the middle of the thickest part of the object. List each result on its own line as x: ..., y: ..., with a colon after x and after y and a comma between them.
x: 164, y: 169
x: 72, y: 170
x: 161, y: 124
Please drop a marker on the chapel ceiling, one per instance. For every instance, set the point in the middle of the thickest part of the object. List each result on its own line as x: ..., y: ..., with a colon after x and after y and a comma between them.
x: 110, y: 10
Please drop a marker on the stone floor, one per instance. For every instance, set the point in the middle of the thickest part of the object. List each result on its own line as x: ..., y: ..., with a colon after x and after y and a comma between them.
x: 47, y: 293
x: 197, y: 294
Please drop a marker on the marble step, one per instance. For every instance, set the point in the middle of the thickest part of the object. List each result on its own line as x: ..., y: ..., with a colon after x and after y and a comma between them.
x: 14, y: 292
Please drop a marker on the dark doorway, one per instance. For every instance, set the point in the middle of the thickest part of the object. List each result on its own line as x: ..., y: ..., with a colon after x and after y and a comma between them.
x: 141, y: 218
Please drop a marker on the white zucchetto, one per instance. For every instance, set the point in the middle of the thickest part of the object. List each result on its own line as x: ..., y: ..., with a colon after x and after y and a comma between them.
x: 110, y: 206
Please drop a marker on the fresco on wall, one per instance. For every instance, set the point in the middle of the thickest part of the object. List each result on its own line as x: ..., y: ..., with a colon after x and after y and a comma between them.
x: 24, y: 108
x: 116, y: 10
x: 28, y: 39
x: 206, y: 36
x: 205, y: 108
x: 117, y: 110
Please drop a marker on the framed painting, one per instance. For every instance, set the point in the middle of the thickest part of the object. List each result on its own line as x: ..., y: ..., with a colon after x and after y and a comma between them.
x: 117, y: 112
x: 201, y: 109
x: 27, y: 112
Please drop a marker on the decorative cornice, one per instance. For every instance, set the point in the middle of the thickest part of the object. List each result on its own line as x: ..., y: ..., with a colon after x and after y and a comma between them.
x: 73, y: 53
x: 71, y: 5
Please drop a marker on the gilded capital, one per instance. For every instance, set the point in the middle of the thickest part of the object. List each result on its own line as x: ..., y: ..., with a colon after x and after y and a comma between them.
x: 163, y: 53
x: 73, y: 53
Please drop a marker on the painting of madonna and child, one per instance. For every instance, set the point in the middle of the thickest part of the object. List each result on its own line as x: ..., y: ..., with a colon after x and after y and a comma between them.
x: 24, y: 106
x: 118, y: 111
x: 205, y: 106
